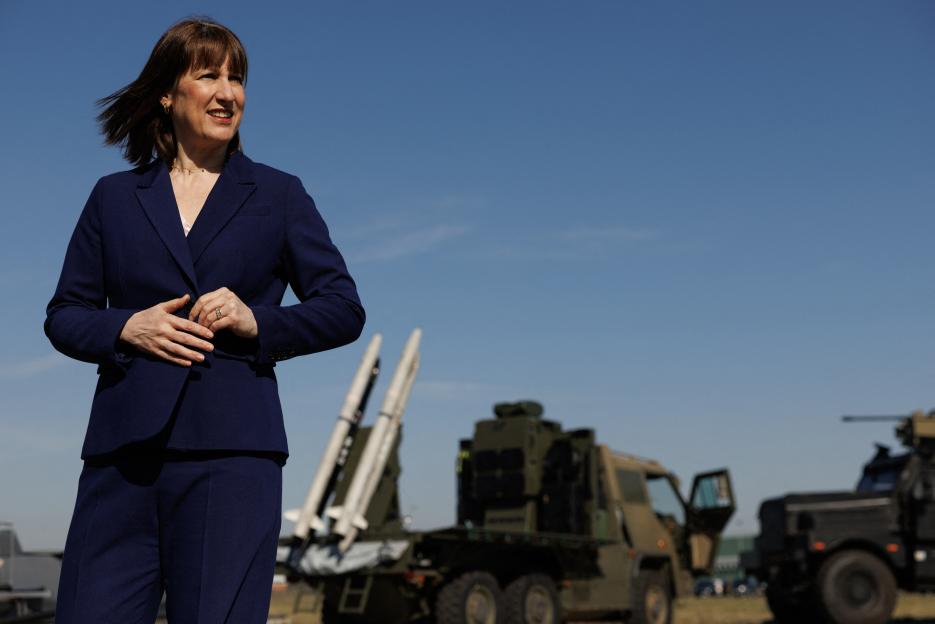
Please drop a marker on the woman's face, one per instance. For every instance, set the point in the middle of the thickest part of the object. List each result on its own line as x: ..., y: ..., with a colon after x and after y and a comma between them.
x: 207, y: 106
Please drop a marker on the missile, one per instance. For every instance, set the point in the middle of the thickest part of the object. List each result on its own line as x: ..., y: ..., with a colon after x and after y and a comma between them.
x: 339, y: 444
x: 349, y: 517
x: 359, y: 523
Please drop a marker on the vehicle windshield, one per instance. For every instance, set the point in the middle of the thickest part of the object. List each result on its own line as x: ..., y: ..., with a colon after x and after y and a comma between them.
x: 882, y: 474
x: 878, y: 480
x: 665, y: 500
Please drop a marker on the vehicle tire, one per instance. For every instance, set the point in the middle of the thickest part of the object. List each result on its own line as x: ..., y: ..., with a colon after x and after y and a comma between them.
x: 652, y: 599
x: 532, y: 599
x: 472, y: 598
x: 856, y: 586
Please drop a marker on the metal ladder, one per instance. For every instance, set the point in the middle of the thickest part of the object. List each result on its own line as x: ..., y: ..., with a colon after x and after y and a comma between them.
x: 355, y: 594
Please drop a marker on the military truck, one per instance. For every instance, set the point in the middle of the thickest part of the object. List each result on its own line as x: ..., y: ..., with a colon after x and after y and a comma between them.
x: 550, y: 525
x: 842, y: 556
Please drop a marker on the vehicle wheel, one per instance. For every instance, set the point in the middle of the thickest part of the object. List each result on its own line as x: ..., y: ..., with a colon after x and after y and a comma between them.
x: 856, y: 586
x: 652, y: 599
x: 532, y: 599
x: 472, y: 598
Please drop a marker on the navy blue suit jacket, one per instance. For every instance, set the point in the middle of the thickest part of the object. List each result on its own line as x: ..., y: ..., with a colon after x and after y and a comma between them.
x: 257, y: 232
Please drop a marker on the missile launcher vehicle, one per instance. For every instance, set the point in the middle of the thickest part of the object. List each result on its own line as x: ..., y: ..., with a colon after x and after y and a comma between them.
x: 840, y: 557
x: 550, y: 525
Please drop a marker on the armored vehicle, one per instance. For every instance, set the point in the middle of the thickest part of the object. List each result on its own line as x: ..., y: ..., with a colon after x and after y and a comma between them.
x: 550, y: 525
x: 841, y: 556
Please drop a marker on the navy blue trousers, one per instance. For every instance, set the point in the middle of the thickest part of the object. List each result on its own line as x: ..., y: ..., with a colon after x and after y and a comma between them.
x: 201, y: 526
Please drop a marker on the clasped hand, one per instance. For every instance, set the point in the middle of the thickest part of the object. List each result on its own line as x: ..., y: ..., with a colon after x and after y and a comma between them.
x: 159, y: 332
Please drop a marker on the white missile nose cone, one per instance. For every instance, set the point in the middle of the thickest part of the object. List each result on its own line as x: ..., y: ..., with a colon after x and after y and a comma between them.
x: 292, y: 515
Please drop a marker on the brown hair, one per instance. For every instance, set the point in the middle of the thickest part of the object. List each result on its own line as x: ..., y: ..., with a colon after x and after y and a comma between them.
x: 134, y: 118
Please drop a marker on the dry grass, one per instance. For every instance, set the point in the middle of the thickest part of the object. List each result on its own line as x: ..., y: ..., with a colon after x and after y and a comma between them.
x: 911, y: 608
x: 752, y: 610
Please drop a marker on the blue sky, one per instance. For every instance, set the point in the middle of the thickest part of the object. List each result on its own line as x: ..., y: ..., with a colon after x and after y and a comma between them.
x: 702, y: 228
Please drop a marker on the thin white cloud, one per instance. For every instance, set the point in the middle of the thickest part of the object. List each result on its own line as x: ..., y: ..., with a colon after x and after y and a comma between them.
x: 573, y: 243
x: 32, y: 366
x: 608, y: 234
x: 381, y: 225
x: 399, y: 244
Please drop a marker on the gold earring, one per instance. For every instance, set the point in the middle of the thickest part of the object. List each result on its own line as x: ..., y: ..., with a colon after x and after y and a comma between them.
x: 165, y: 107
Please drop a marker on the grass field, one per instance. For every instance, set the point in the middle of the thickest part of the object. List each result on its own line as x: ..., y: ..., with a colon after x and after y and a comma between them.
x: 911, y: 608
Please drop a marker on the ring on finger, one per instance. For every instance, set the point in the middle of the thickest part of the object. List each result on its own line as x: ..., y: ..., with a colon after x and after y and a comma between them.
x: 217, y: 312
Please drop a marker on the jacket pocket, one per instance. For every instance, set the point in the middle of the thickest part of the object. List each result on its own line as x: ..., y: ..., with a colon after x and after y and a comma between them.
x: 249, y: 358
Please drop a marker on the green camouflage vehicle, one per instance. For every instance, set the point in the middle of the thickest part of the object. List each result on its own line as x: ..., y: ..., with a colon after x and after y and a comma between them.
x: 550, y: 525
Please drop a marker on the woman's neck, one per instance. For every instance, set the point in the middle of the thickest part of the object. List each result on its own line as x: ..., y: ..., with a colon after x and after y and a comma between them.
x: 192, y: 159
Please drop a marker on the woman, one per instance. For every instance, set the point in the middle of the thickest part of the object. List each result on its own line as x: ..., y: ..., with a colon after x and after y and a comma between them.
x: 172, y: 284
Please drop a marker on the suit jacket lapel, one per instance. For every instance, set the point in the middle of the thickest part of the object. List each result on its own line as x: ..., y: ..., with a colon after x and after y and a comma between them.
x: 155, y: 195
x: 233, y: 187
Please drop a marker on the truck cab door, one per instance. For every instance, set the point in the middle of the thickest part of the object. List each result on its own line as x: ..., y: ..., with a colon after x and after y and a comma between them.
x: 711, y: 505
x: 918, y: 505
